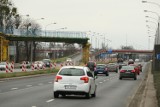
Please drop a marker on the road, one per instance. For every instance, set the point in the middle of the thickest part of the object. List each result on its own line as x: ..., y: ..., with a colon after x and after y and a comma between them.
x: 37, y: 92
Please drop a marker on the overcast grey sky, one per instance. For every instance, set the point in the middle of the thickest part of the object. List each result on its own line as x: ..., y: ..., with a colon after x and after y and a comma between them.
x: 121, y: 21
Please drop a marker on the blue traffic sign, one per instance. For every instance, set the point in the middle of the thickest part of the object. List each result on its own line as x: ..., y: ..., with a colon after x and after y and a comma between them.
x: 109, y: 51
x: 158, y: 56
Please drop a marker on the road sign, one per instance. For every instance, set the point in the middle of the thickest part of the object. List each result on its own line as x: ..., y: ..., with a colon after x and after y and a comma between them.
x: 109, y: 51
x: 158, y: 56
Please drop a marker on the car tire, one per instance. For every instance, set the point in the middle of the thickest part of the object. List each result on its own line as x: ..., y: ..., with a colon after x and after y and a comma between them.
x: 120, y: 78
x: 63, y: 95
x: 135, y: 78
x: 94, y: 94
x: 88, y: 95
x: 56, y: 95
x: 107, y: 74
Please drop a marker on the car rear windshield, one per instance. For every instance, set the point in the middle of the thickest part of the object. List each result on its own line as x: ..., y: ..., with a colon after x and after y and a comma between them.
x: 100, y: 66
x: 72, y: 72
x: 127, y: 68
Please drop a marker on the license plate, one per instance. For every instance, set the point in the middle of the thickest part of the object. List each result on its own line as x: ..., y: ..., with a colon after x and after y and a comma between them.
x: 70, y: 86
x: 100, y: 72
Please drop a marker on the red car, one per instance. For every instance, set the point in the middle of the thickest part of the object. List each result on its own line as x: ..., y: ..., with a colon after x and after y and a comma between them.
x: 136, y: 67
x: 140, y: 67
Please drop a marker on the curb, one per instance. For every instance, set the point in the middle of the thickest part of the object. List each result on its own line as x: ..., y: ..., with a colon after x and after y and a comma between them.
x: 133, y: 102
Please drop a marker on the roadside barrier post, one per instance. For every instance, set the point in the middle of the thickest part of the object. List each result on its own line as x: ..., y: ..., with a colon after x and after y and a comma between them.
x: 12, y: 67
x: 44, y: 67
x: 51, y: 66
x: 24, y: 66
x: 32, y: 66
x: 61, y: 65
x: 7, y: 67
x: 38, y: 67
x: 55, y: 65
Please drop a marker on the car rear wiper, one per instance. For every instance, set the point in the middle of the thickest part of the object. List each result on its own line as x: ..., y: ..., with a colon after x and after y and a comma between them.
x: 67, y: 74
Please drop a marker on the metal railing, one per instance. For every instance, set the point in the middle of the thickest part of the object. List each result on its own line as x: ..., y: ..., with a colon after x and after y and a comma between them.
x: 48, y: 33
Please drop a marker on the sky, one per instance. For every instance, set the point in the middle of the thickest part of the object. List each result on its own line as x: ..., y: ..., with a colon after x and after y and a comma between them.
x: 120, y: 22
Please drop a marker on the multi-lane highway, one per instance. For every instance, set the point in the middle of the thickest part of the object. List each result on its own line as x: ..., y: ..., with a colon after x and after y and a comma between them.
x: 38, y: 92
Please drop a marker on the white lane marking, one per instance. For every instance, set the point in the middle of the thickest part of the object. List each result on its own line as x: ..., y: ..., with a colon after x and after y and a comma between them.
x: 100, y: 82
x: 40, y: 84
x: 29, y: 85
x: 104, y: 80
x: 50, y: 100
x: 33, y: 106
x: 14, y: 88
x: 50, y: 82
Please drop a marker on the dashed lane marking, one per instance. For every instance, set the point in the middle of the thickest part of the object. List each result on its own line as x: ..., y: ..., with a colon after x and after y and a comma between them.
x: 33, y: 106
x: 100, y: 82
x: 14, y: 88
x: 50, y: 82
x: 50, y: 100
x: 40, y: 84
x: 29, y: 85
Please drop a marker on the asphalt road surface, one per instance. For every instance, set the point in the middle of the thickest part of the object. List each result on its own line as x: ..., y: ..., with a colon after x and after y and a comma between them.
x: 38, y: 92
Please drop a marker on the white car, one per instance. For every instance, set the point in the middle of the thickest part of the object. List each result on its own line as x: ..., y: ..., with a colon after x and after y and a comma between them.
x: 74, y: 80
x: 3, y: 66
x: 38, y: 63
x: 69, y: 60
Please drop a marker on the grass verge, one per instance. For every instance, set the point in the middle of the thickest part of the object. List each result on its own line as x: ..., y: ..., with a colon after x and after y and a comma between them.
x: 19, y: 74
x: 156, y: 75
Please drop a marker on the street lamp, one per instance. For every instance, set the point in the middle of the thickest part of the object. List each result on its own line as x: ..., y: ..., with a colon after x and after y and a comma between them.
x: 156, y: 62
x: 48, y: 25
x: 152, y: 18
x: 151, y: 3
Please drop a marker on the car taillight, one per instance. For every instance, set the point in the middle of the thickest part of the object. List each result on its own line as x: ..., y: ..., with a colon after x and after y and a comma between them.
x: 58, y: 78
x: 133, y: 71
x: 122, y: 71
x: 85, y: 79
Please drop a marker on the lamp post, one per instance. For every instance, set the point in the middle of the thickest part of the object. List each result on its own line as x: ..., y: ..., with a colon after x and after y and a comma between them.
x: 156, y: 61
x: 151, y: 3
x: 48, y: 25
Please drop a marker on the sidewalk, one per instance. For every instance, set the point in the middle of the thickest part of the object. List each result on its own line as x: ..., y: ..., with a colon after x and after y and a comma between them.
x: 149, y: 95
x: 145, y: 95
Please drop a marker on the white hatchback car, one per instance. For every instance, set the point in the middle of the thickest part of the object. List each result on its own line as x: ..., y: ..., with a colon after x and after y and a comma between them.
x: 74, y: 80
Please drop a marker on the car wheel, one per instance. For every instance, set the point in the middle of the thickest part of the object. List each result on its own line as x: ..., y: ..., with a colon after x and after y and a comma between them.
x: 56, y: 95
x: 88, y: 95
x: 120, y: 78
x: 94, y: 94
x: 63, y: 95
x: 107, y: 74
x: 135, y: 78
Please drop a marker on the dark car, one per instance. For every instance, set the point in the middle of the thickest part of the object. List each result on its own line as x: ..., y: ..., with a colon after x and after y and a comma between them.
x: 113, y: 67
x: 47, y: 62
x: 128, y: 72
x: 91, y: 65
x: 101, y: 69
